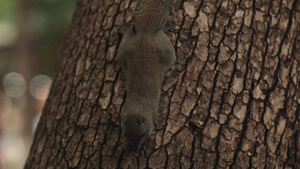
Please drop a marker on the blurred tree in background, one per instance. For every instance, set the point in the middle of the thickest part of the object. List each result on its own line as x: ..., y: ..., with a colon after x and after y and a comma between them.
x: 31, y: 33
x: 46, y: 25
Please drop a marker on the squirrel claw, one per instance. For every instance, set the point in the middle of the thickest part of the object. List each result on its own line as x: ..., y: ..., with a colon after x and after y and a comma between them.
x: 124, y: 26
x: 167, y: 26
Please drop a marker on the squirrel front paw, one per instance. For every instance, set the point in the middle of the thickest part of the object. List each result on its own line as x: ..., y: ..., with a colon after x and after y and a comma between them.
x: 124, y: 27
x: 167, y: 25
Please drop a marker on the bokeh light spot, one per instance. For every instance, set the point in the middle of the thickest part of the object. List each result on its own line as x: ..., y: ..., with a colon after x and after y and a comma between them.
x: 14, y: 84
x: 39, y: 86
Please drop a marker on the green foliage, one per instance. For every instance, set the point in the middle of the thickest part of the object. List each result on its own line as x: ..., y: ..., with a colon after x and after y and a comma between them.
x: 7, y: 10
x: 50, y: 17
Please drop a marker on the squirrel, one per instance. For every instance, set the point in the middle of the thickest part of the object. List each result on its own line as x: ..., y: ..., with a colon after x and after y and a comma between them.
x: 144, y: 55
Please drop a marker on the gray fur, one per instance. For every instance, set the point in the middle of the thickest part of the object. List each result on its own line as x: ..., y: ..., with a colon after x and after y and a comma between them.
x: 144, y: 56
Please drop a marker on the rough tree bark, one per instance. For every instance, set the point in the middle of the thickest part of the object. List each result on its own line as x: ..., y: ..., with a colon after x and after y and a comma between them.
x: 231, y: 101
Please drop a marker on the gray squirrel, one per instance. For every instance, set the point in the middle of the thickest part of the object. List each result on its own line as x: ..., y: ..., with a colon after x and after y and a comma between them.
x: 144, y: 55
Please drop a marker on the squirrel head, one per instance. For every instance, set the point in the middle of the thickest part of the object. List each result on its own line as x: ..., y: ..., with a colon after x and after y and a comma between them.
x: 136, y: 128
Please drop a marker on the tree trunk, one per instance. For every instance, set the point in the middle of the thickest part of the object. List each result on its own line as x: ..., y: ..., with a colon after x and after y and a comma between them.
x: 232, y: 99
x: 24, y: 63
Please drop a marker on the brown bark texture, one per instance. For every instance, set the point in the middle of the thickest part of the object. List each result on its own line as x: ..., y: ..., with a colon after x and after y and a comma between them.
x: 232, y: 99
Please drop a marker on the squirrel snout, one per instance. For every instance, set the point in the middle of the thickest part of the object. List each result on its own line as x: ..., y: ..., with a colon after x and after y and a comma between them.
x: 130, y: 146
x: 134, y: 143
x: 136, y: 130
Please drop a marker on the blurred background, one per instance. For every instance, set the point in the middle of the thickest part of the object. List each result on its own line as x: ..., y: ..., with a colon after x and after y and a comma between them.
x: 31, y: 35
